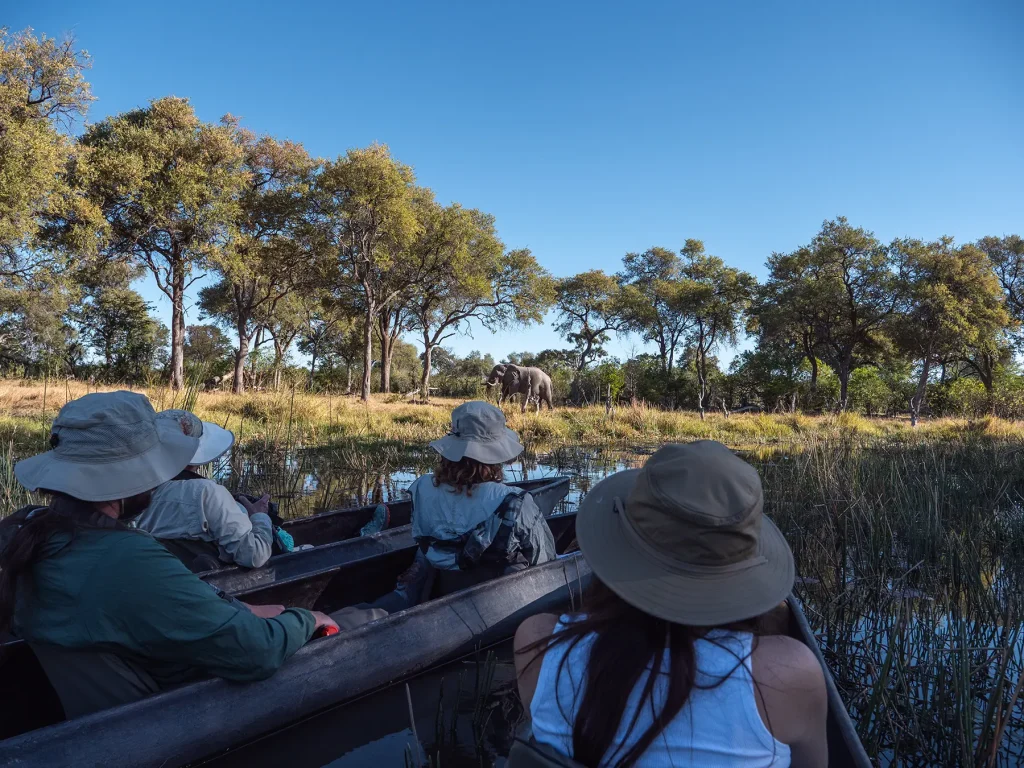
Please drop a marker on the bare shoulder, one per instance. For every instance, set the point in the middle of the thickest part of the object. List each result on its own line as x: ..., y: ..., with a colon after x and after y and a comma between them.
x: 791, y: 697
x: 787, y: 664
x: 790, y: 693
x: 534, y: 629
x: 528, y: 662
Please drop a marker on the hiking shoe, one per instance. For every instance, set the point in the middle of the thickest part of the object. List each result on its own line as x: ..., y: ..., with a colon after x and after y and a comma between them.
x: 379, y: 521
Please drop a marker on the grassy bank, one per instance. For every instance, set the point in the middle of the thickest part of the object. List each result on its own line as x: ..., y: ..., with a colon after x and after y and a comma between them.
x: 291, y: 418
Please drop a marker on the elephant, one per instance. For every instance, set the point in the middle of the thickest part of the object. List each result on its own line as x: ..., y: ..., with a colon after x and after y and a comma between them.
x: 531, y: 383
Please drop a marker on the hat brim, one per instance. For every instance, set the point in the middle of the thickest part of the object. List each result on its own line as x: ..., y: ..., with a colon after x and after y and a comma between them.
x: 214, y: 443
x: 111, y: 480
x: 702, y: 600
x: 503, y: 448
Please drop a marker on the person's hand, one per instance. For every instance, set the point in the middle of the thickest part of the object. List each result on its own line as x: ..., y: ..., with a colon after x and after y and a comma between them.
x: 323, y: 621
x: 265, y: 611
x: 260, y: 506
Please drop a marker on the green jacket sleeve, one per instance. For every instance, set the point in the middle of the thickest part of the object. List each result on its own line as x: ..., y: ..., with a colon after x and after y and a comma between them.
x: 155, y: 607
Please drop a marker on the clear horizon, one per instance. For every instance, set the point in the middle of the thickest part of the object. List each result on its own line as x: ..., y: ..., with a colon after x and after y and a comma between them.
x: 589, y: 131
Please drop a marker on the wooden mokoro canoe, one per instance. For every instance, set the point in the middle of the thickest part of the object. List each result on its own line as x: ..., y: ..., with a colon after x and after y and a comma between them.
x: 339, y: 524
x: 546, y: 492
x: 350, y: 576
x: 195, y: 721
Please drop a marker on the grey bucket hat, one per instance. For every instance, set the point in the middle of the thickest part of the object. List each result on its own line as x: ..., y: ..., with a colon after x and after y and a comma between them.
x: 478, y: 431
x: 684, y: 538
x: 214, y: 440
x: 108, y: 446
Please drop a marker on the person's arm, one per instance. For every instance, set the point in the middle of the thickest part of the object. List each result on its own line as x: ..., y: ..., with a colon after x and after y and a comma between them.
x: 528, y: 661
x: 245, y: 539
x: 538, y: 545
x: 159, y: 609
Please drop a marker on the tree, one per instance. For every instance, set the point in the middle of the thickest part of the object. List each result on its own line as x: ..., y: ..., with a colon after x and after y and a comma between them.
x: 955, y: 302
x: 118, y: 325
x: 168, y: 185
x: 363, y: 218
x: 787, y: 310
x: 854, y: 291
x: 652, y: 302
x: 464, y: 273
x: 265, y: 258
x: 1007, y: 257
x: 589, y: 309
x: 716, y: 297
x: 42, y: 91
x: 284, y: 320
x: 36, y: 330
x: 207, y: 349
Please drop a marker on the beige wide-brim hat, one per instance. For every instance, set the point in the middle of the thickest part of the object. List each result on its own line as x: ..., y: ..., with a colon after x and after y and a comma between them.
x: 684, y: 538
x: 478, y: 432
x: 214, y: 440
x: 108, y: 446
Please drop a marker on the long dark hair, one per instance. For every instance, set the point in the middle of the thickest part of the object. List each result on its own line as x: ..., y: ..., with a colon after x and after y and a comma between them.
x: 462, y: 475
x: 628, y: 643
x: 22, y: 536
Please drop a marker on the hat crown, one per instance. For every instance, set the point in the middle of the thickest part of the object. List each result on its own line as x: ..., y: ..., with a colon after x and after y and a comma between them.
x: 477, y: 419
x: 187, y: 422
x: 103, y: 427
x: 697, y: 504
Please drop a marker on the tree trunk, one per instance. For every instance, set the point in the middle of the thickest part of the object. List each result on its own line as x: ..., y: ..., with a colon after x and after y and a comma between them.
x: 312, y: 366
x: 238, y: 379
x: 844, y: 381
x: 348, y: 385
x: 278, y: 363
x: 702, y: 379
x: 367, y: 353
x: 922, y: 385
x: 425, y: 379
x: 177, y: 325
x: 241, y: 355
x: 387, y: 344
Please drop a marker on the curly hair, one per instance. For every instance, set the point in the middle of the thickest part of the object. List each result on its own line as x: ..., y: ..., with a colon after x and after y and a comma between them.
x: 463, y: 474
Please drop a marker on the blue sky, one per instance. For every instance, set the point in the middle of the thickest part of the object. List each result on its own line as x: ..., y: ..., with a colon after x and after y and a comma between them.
x: 593, y: 129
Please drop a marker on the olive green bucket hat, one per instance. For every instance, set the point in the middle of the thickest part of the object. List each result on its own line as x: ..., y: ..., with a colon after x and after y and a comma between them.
x: 684, y: 537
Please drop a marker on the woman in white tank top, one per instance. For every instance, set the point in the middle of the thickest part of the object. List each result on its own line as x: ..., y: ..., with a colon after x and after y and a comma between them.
x: 686, y: 572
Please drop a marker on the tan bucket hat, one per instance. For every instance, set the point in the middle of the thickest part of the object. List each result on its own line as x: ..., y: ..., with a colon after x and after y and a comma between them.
x: 684, y: 538
x: 108, y: 446
x: 214, y: 440
x: 478, y: 431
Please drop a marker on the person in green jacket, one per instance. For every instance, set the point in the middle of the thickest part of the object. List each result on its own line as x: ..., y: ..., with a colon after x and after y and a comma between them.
x: 111, y: 614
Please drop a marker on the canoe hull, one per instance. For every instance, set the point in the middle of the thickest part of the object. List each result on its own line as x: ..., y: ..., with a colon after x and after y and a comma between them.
x: 199, y: 720
x: 547, y: 493
x: 339, y: 524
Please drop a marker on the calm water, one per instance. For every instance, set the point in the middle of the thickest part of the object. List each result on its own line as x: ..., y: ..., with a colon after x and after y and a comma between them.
x: 910, y: 564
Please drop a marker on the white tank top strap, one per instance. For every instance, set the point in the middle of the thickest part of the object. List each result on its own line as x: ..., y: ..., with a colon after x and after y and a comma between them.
x: 701, y: 735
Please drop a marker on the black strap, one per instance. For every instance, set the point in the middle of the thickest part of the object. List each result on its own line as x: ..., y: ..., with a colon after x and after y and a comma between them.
x: 457, y: 546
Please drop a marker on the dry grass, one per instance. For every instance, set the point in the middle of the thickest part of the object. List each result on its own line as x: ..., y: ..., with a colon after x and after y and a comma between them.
x: 293, y: 418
